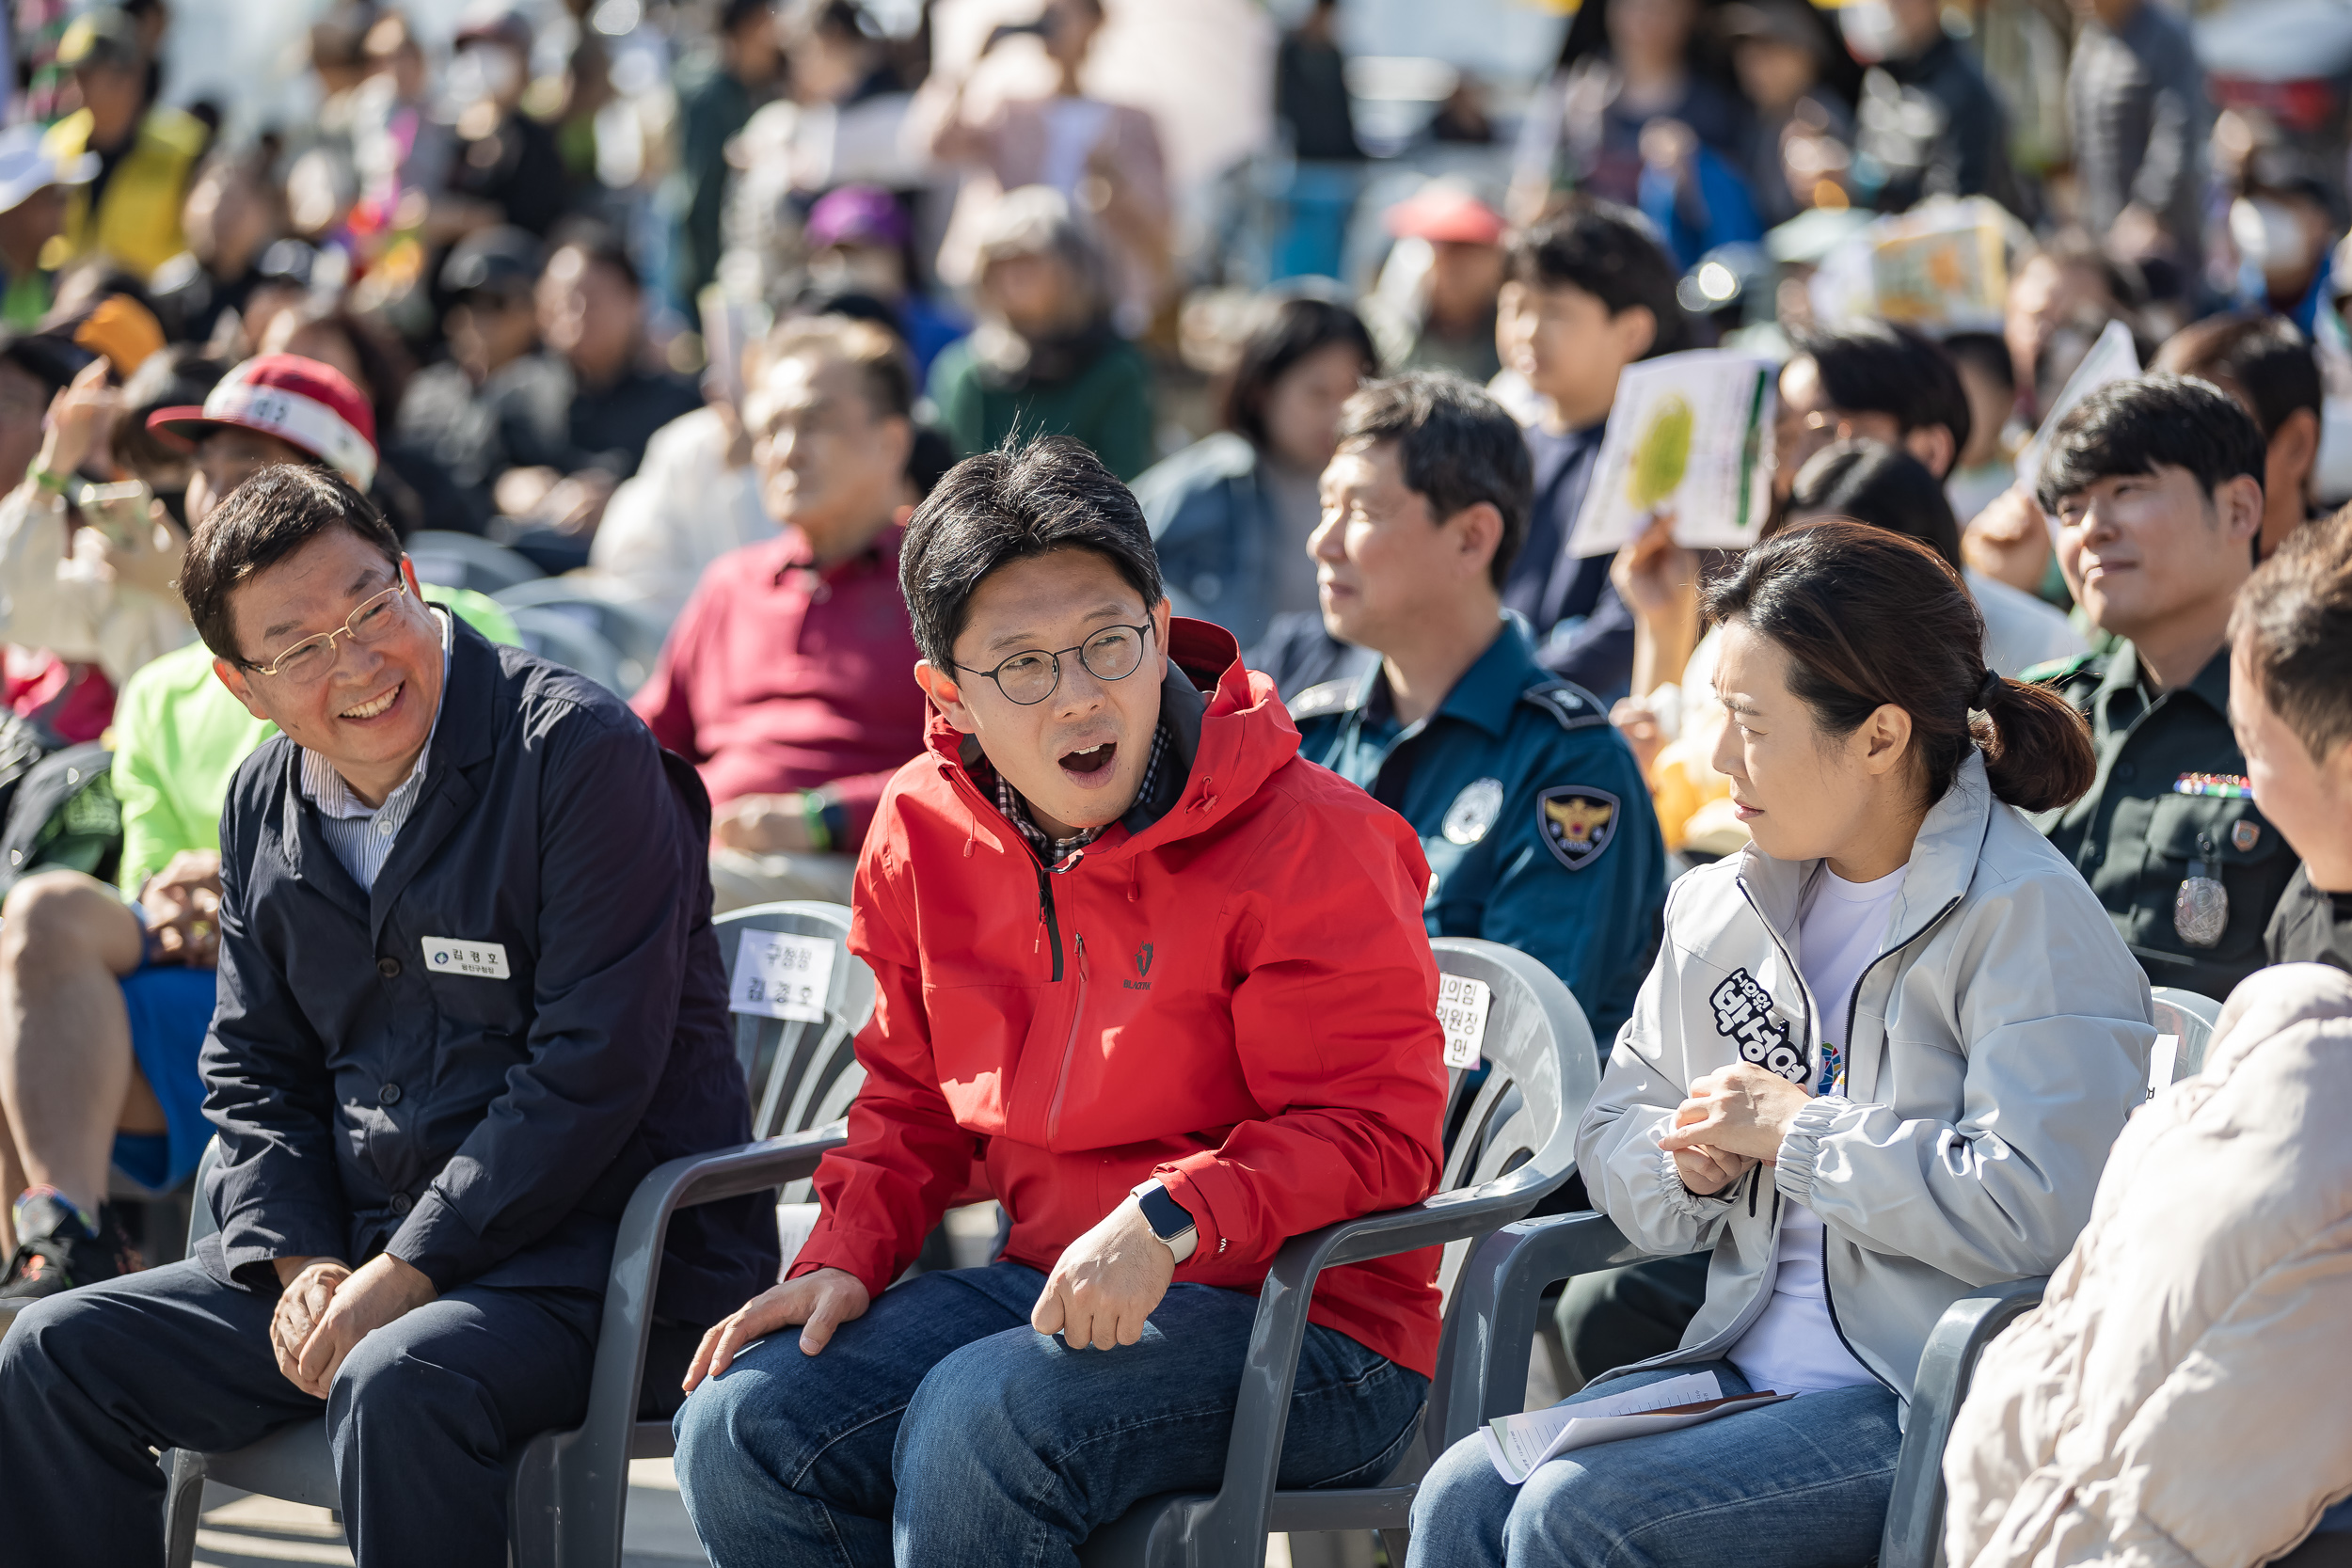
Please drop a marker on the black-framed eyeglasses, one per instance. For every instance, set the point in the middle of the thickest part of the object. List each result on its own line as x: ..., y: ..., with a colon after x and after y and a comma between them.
x: 313, y: 657
x: 1029, y: 676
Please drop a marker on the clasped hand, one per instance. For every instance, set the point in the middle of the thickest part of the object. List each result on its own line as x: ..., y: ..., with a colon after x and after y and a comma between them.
x: 1734, y: 1120
x: 327, y: 1307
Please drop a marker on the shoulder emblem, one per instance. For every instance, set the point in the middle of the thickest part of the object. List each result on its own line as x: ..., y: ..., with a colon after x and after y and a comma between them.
x: 2056, y: 668
x: 1577, y: 823
x: 1320, y: 701
x: 1574, y: 707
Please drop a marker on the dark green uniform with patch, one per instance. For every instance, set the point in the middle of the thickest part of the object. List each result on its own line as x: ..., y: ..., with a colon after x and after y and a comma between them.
x: 1536, y: 820
x: 2167, y: 837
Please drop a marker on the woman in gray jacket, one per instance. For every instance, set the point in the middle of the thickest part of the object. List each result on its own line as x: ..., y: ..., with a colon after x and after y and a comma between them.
x: 1879, y: 1064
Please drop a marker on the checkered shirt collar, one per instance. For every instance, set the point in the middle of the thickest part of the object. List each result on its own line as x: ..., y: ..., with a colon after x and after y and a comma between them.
x: 1054, y: 851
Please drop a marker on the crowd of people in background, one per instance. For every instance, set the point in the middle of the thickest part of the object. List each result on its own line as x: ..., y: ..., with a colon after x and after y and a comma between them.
x: 680, y: 317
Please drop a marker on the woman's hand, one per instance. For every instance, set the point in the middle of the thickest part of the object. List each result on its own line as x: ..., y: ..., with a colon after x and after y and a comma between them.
x: 1737, y: 1110
x: 80, y: 419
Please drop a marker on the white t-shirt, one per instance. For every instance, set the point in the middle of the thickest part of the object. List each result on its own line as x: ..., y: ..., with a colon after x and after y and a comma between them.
x: 1794, y: 1348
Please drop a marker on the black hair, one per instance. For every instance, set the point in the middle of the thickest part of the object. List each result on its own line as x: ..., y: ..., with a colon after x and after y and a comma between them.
x: 1611, y: 253
x: 1879, y: 367
x: 1986, y: 351
x: 2133, y: 426
x: 600, y: 243
x: 1457, y: 448
x: 1293, y: 330
x: 2262, y: 360
x: 1883, y: 485
x: 1024, y: 499
x: 178, y: 375
x: 733, y: 14
x: 1869, y: 619
x: 258, y: 524
x: 929, y: 455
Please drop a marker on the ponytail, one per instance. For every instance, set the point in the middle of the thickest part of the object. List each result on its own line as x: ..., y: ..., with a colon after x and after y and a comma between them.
x: 1871, y: 619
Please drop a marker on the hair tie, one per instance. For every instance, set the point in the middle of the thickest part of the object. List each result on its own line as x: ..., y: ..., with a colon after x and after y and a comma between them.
x: 1986, y: 689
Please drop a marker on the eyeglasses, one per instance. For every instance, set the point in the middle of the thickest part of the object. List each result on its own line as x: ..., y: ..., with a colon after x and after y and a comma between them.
x: 309, y: 659
x: 1029, y: 676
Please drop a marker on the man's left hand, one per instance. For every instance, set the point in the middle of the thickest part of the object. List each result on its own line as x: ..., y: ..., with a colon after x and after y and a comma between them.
x: 1740, y: 1109
x: 383, y: 1290
x: 1106, y: 1283
x: 762, y: 825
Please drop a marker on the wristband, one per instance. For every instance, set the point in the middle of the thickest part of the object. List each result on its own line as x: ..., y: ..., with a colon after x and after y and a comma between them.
x: 814, y: 821
x: 48, y: 479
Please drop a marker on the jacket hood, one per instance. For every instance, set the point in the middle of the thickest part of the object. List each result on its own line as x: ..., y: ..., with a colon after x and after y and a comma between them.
x: 1228, y: 730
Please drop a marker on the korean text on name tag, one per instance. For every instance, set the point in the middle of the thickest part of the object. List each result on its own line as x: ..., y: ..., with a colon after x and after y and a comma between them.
x: 1462, y: 1004
x: 484, y: 960
x: 781, y: 975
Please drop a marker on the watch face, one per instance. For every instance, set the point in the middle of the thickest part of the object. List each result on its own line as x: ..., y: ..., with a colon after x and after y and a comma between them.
x: 1167, y: 1218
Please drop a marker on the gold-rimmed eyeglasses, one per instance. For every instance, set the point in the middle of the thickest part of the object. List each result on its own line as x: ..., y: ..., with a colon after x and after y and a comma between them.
x: 310, y: 660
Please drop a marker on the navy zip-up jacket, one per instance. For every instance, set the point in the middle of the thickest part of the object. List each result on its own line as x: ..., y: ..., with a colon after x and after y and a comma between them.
x: 374, y: 1095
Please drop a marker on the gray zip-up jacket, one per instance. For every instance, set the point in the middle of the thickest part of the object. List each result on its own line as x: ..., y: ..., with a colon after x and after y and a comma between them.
x: 1997, y: 1043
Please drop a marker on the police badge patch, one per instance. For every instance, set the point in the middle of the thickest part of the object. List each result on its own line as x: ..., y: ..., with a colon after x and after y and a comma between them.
x: 1577, y: 823
x: 1474, y: 812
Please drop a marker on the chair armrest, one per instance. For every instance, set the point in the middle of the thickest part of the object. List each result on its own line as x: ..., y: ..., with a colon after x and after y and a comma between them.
x: 595, y: 1482
x: 1914, y: 1516
x: 1482, y: 1370
x: 1233, y: 1524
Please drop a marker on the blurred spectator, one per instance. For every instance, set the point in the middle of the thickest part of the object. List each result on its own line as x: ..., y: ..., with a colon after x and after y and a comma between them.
x: 411, y: 489
x: 786, y: 680
x: 1894, y: 384
x: 1625, y: 66
x: 1102, y: 159
x: 34, y: 369
x: 2268, y: 366
x: 234, y: 212
x: 2062, y: 297
x: 1047, y: 358
x: 1589, y: 294
x: 1428, y: 498
x: 129, y: 212
x: 1461, y: 118
x: 1986, y: 466
x: 2139, y: 115
x: 1453, y: 328
x: 693, y: 500
x: 456, y: 411
x: 32, y: 199
x: 716, y: 95
x: 1782, y: 50
x: 1930, y: 122
x: 2285, y: 225
x: 1231, y: 514
x: 2157, y: 488
x: 398, y: 144
x: 860, y: 242
x: 1311, y: 91
x: 505, y: 168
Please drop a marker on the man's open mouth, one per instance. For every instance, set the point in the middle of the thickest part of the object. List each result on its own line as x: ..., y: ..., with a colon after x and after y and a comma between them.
x: 375, y: 708
x: 1092, y: 764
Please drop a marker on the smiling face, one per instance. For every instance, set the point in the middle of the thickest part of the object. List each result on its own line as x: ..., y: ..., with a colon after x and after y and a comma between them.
x: 2139, y: 550
x: 1078, y: 756
x: 1802, y: 793
x: 372, y: 712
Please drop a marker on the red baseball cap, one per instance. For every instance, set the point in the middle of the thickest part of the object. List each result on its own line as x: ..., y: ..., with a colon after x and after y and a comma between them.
x: 1441, y: 212
x: 301, y: 401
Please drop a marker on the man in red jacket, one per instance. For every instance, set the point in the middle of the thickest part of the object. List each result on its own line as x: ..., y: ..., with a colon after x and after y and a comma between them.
x: 1163, y: 988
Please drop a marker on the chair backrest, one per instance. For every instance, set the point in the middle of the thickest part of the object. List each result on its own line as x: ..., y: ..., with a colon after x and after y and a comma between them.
x: 1541, y: 1072
x: 635, y: 631
x: 552, y: 633
x: 467, y: 560
x: 803, y: 1072
x: 2185, y: 1020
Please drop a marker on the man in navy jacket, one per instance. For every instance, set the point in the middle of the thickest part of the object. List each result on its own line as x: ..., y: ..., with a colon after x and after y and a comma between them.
x: 470, y: 995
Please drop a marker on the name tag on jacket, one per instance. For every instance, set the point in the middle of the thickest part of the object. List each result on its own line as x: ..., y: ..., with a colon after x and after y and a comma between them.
x: 483, y: 959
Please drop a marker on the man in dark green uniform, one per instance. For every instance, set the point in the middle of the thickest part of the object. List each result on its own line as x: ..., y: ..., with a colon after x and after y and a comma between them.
x: 2156, y: 486
x: 1532, y: 809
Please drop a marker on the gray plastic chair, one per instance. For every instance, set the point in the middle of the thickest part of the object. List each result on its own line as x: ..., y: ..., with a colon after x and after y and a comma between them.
x: 634, y: 630
x: 1500, y: 1302
x: 1515, y: 1146
x: 568, y: 1491
x: 451, y: 560
x: 555, y: 634
x: 2189, y: 1016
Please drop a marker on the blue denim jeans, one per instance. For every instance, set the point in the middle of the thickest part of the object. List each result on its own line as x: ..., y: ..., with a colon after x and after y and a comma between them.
x: 1800, y: 1484
x: 941, y: 1430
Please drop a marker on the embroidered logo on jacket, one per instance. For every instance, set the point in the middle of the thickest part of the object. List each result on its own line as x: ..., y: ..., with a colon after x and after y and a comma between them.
x: 1743, y: 1014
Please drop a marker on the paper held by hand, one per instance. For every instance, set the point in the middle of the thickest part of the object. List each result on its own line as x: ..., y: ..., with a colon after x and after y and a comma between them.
x: 2113, y: 357
x: 1517, y: 1444
x: 1689, y: 436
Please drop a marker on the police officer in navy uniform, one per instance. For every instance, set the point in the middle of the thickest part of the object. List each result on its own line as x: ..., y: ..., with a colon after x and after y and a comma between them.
x: 1532, y: 809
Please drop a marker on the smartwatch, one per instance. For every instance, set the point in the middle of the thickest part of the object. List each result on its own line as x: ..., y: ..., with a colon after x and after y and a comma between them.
x: 1168, y: 1219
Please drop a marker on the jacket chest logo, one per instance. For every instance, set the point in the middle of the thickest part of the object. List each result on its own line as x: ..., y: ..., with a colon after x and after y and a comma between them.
x: 1743, y: 1015
x: 1143, y: 968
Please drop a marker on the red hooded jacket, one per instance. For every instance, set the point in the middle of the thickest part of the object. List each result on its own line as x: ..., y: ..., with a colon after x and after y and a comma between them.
x: 1231, y: 989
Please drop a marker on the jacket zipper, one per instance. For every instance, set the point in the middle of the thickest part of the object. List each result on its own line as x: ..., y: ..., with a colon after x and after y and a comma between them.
x: 1070, y: 1045
x: 1046, y: 912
